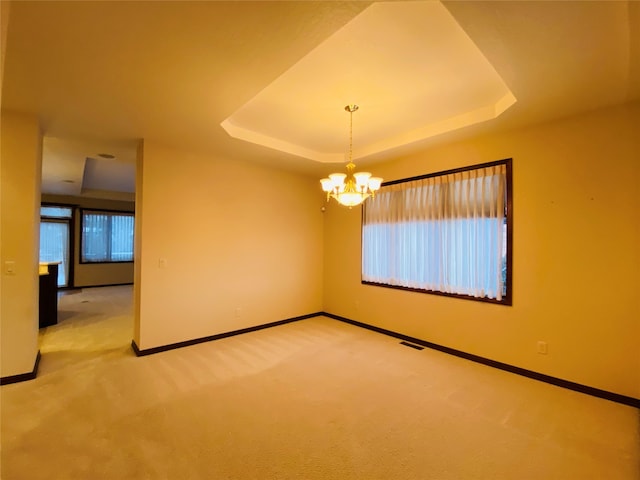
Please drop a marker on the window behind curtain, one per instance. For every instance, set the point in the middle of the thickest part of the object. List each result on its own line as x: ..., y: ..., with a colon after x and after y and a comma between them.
x: 447, y: 233
x: 106, y: 236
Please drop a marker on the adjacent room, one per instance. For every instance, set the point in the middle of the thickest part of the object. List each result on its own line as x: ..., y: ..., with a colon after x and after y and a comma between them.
x: 320, y: 240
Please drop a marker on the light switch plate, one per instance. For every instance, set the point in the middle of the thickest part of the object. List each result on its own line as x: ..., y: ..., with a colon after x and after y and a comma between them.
x: 9, y: 267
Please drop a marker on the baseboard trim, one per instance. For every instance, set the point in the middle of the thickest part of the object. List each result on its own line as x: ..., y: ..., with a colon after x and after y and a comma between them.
x: 76, y: 287
x: 559, y: 382
x: 195, y: 341
x: 23, y: 377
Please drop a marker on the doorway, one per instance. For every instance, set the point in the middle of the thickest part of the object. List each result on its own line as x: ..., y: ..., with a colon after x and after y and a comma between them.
x: 56, y: 225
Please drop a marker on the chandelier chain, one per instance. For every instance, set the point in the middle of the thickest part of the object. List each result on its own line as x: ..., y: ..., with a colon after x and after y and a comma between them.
x: 350, y: 136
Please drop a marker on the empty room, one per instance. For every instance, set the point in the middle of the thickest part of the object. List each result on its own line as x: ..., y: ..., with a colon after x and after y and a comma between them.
x: 320, y: 240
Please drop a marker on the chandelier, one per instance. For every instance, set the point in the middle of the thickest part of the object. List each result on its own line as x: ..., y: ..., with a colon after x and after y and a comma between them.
x: 350, y: 189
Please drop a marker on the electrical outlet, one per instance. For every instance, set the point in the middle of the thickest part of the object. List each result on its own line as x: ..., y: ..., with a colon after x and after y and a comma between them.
x: 162, y: 263
x: 543, y: 348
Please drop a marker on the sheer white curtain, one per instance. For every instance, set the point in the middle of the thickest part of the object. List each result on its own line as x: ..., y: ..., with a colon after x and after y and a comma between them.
x: 442, y: 233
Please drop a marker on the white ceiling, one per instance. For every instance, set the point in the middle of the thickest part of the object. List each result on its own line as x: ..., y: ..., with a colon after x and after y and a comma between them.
x: 102, y: 75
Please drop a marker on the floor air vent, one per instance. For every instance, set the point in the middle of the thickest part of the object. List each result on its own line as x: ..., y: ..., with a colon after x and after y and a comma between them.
x: 407, y: 344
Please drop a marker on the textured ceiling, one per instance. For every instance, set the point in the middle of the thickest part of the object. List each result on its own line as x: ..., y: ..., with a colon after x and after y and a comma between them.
x: 102, y: 75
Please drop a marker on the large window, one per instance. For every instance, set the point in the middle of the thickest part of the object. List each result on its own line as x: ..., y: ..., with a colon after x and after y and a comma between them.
x: 106, y: 236
x: 447, y: 233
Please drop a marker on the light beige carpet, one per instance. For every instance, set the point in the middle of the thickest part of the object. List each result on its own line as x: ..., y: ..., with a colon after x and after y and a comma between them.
x: 316, y: 399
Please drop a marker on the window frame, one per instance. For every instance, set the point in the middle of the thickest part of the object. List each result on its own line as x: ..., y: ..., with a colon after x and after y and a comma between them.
x: 507, y: 298
x: 81, y: 259
x: 57, y: 205
x: 71, y: 221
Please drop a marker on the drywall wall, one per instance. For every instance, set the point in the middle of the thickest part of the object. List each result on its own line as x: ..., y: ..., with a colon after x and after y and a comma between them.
x: 576, y: 192
x: 221, y: 245
x: 88, y: 274
x: 5, y: 8
x: 20, y: 170
x: 95, y: 275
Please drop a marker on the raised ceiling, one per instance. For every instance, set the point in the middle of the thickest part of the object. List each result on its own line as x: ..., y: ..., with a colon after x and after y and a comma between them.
x: 411, y: 68
x: 103, y: 75
x: 96, y: 169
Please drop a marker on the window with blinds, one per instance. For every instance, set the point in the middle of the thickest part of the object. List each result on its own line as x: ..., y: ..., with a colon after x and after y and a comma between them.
x: 106, y: 236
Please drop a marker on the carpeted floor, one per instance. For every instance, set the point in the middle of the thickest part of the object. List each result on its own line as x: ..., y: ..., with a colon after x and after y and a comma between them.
x: 315, y: 399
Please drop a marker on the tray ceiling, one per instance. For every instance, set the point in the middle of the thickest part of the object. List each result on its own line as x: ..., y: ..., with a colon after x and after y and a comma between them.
x: 410, y: 67
x: 100, y: 76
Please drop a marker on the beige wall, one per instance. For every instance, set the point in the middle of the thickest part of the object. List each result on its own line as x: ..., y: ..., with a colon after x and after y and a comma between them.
x: 88, y: 274
x: 5, y: 8
x: 20, y: 159
x: 242, y: 245
x: 576, y: 255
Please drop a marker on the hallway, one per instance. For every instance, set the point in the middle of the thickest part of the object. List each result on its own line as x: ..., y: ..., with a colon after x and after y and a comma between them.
x: 92, y: 323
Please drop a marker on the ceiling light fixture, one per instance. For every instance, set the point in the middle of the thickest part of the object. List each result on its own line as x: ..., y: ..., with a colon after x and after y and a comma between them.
x: 350, y: 189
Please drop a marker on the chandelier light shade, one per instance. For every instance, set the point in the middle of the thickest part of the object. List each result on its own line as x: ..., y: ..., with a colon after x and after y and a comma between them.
x: 351, y: 188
